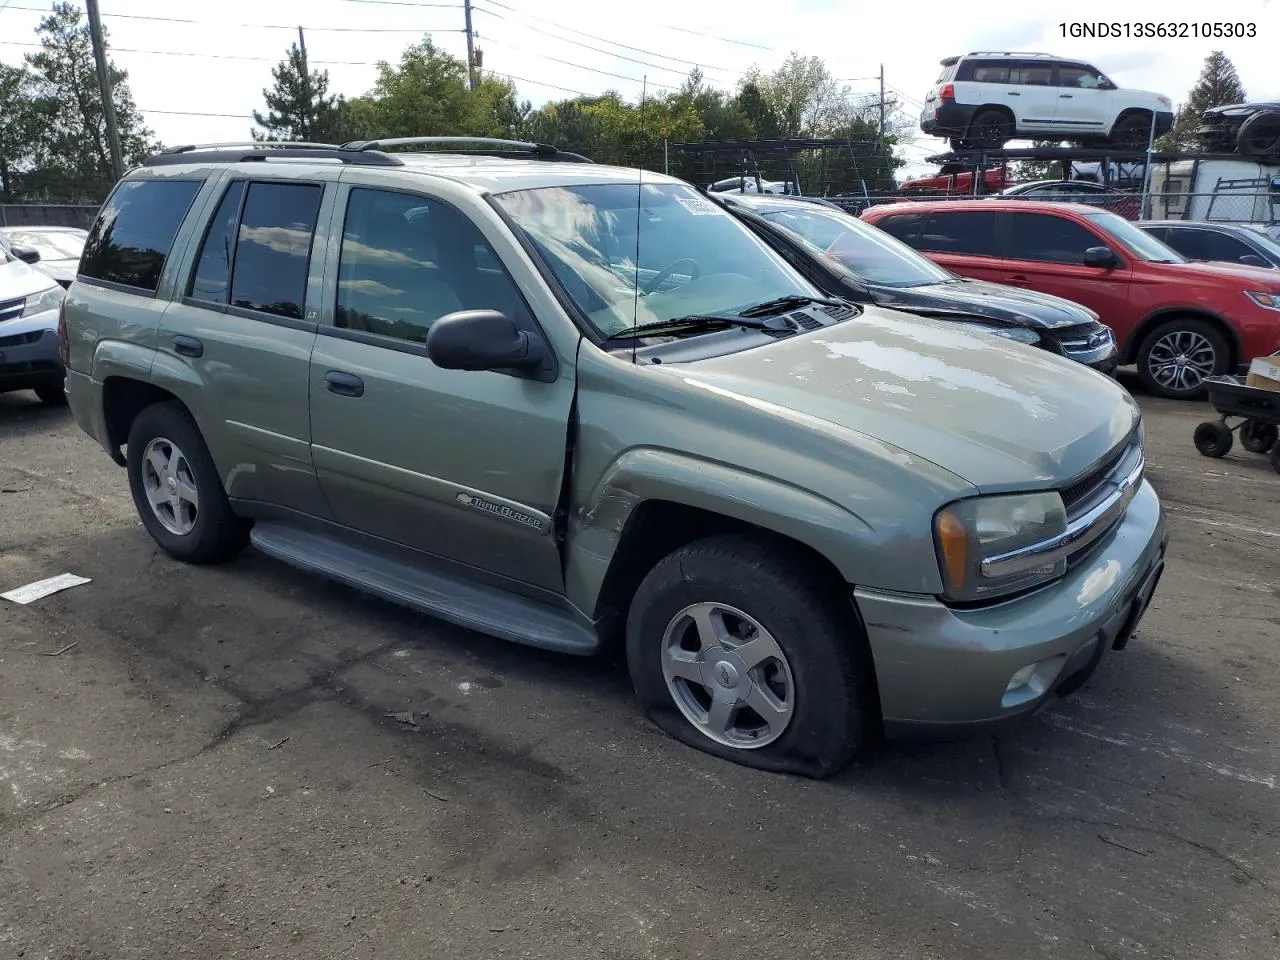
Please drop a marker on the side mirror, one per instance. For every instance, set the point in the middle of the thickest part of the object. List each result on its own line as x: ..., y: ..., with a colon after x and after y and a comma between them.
x: 1100, y: 257
x: 483, y: 340
x: 25, y: 254
x: 1253, y: 260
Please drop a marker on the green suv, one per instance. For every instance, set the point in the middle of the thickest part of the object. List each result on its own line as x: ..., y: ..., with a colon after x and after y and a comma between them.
x: 579, y: 406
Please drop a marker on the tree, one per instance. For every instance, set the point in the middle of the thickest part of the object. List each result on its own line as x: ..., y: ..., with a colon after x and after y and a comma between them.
x: 66, y: 126
x: 1219, y: 85
x: 16, y: 150
x: 299, y: 105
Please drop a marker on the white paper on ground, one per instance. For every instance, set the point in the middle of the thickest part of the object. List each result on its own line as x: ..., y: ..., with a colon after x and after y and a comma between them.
x: 43, y: 588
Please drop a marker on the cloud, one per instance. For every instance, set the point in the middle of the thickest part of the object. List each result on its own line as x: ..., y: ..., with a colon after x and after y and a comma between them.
x: 370, y: 288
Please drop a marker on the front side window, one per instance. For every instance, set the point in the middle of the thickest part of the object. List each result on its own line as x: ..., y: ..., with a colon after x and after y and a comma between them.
x: 1049, y: 239
x: 970, y: 232
x: 133, y: 234
x: 1080, y: 77
x: 1208, y: 245
x: 629, y: 255
x: 1140, y: 243
x: 872, y: 254
x: 407, y: 261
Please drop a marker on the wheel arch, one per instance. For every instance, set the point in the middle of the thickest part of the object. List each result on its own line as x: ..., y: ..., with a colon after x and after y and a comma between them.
x: 998, y: 108
x: 123, y: 398
x: 1146, y: 113
x: 1157, y: 317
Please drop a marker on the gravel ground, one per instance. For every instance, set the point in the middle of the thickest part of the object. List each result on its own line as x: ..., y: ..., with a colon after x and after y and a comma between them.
x: 248, y: 761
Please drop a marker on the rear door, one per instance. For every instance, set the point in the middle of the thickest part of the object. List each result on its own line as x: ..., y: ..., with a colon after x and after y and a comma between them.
x: 236, y: 348
x: 961, y: 240
x: 1031, y: 88
x: 1045, y: 252
x: 465, y: 465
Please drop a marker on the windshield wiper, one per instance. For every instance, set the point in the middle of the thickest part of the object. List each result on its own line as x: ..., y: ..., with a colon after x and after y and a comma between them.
x: 695, y: 322
x: 786, y: 303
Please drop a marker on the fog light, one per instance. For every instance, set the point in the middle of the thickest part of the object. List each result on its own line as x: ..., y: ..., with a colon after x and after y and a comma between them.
x: 1022, y: 677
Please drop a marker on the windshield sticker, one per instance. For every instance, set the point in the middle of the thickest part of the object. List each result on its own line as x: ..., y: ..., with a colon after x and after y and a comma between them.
x: 698, y: 207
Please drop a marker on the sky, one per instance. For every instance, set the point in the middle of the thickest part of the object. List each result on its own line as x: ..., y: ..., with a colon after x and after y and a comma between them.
x: 197, y: 69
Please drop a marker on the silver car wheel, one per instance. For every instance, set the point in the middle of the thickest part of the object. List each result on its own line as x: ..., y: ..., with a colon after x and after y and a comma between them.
x: 728, y: 675
x: 170, y: 486
x: 1181, y: 359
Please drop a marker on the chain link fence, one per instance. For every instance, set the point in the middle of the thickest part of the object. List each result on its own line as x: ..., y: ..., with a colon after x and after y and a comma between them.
x: 47, y: 215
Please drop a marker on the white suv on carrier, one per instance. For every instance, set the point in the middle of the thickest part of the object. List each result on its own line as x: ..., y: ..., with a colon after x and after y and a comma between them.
x: 984, y: 100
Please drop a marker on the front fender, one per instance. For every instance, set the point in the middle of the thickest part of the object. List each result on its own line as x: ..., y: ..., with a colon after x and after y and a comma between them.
x: 645, y: 474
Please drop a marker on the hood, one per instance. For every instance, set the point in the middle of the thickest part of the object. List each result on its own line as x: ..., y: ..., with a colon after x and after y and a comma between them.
x: 1240, y: 109
x: 1252, y: 278
x: 1000, y: 415
x: 17, y: 279
x: 994, y: 301
x: 64, y: 271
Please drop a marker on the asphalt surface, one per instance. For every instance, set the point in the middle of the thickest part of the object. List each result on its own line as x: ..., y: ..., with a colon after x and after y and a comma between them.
x: 249, y: 761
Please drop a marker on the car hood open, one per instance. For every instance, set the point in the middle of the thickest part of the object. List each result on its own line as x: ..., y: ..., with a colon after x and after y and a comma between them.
x: 999, y: 415
x: 993, y: 301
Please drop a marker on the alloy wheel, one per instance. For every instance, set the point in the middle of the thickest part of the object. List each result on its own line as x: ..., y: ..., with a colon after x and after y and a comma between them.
x: 1181, y: 360
x: 170, y: 486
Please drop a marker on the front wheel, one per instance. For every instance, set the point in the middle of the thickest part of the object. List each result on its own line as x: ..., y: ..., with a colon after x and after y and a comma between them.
x: 51, y: 393
x: 1132, y: 131
x: 734, y: 649
x: 1176, y: 358
x: 1259, y: 136
x: 176, y: 488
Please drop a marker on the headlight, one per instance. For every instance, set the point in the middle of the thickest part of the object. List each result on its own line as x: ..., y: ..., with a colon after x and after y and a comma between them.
x: 972, y: 537
x: 44, y: 300
x: 1021, y: 334
x: 1269, y: 301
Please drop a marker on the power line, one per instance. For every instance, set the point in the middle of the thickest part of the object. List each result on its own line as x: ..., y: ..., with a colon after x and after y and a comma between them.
x: 616, y: 43
x: 210, y: 56
x: 260, y: 26
x: 568, y: 63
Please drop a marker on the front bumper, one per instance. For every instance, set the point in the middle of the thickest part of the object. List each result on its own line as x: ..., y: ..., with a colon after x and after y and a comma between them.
x: 943, y: 671
x: 29, y: 355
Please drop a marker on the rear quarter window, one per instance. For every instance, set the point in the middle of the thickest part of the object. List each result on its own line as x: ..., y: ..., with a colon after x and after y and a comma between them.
x: 968, y: 232
x: 133, y: 234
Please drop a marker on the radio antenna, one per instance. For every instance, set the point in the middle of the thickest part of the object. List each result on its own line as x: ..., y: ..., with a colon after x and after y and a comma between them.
x: 635, y: 302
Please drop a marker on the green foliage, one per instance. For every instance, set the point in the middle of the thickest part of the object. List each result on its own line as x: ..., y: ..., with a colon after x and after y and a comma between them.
x: 299, y: 105
x: 53, y: 138
x: 1218, y: 85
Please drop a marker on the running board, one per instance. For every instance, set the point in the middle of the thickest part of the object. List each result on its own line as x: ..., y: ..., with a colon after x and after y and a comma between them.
x: 465, y: 603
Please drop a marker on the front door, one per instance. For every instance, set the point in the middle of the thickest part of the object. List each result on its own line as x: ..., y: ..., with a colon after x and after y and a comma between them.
x: 464, y: 465
x: 1084, y: 107
x: 237, y: 347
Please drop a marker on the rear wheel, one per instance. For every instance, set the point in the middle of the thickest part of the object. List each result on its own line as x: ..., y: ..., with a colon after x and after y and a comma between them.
x: 176, y: 488
x: 990, y: 130
x: 1259, y: 136
x: 1176, y: 357
x: 1212, y: 439
x: 735, y: 649
x: 1258, y: 437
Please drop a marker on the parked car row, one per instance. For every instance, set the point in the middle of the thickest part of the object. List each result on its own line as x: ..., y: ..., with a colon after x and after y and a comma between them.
x: 29, y: 302
x: 579, y: 406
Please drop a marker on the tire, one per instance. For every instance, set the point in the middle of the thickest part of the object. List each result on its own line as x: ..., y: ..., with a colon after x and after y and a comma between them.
x: 1212, y: 439
x: 825, y: 667
x: 1259, y: 136
x: 201, y: 531
x: 51, y: 393
x: 1258, y: 437
x: 1197, y: 342
x: 1275, y: 458
x: 990, y: 130
x: 1131, y: 131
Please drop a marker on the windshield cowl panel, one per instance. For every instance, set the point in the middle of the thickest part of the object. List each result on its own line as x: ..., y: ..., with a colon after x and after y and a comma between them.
x: 671, y: 254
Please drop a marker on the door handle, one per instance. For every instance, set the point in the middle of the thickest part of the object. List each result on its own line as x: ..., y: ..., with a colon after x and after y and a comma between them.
x: 1018, y: 280
x: 1065, y: 96
x: 344, y: 384
x: 1013, y: 93
x: 188, y: 346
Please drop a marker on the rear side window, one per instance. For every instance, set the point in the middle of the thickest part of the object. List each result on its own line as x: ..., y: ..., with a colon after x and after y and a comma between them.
x: 990, y: 72
x: 1032, y: 74
x: 213, y: 269
x: 134, y: 233
x: 1049, y: 239
x: 971, y: 232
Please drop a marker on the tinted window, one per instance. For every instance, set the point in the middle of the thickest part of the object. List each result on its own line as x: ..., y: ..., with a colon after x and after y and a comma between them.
x: 213, y: 269
x: 906, y: 227
x: 273, y: 248
x: 991, y: 72
x: 961, y: 231
x: 406, y: 261
x: 1032, y: 74
x: 1207, y: 245
x: 134, y: 232
x: 1050, y: 239
x: 1077, y: 76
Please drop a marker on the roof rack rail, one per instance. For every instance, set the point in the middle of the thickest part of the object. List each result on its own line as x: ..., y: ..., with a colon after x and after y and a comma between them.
x: 249, y: 150
x: 511, y: 148
x: 1010, y: 53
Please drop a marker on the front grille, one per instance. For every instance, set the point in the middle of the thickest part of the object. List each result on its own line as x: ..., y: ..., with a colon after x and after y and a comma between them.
x: 1080, y: 490
x: 1081, y: 338
x: 11, y: 309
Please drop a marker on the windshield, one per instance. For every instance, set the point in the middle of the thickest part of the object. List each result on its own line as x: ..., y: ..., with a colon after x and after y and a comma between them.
x: 1261, y: 239
x: 1140, y: 243
x: 691, y: 257
x: 868, y: 251
x: 51, y: 245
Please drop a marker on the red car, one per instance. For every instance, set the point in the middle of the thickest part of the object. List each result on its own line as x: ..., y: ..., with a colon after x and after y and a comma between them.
x: 1180, y: 321
x: 953, y: 182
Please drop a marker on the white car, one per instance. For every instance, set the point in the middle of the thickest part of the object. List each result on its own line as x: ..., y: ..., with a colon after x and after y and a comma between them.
x: 984, y: 100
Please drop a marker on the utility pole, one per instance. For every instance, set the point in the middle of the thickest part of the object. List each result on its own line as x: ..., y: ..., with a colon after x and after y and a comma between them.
x: 306, y: 85
x: 104, y: 87
x: 882, y: 101
x: 471, y: 50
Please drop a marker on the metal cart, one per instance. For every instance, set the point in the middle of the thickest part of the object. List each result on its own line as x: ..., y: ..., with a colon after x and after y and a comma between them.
x: 1257, y: 412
